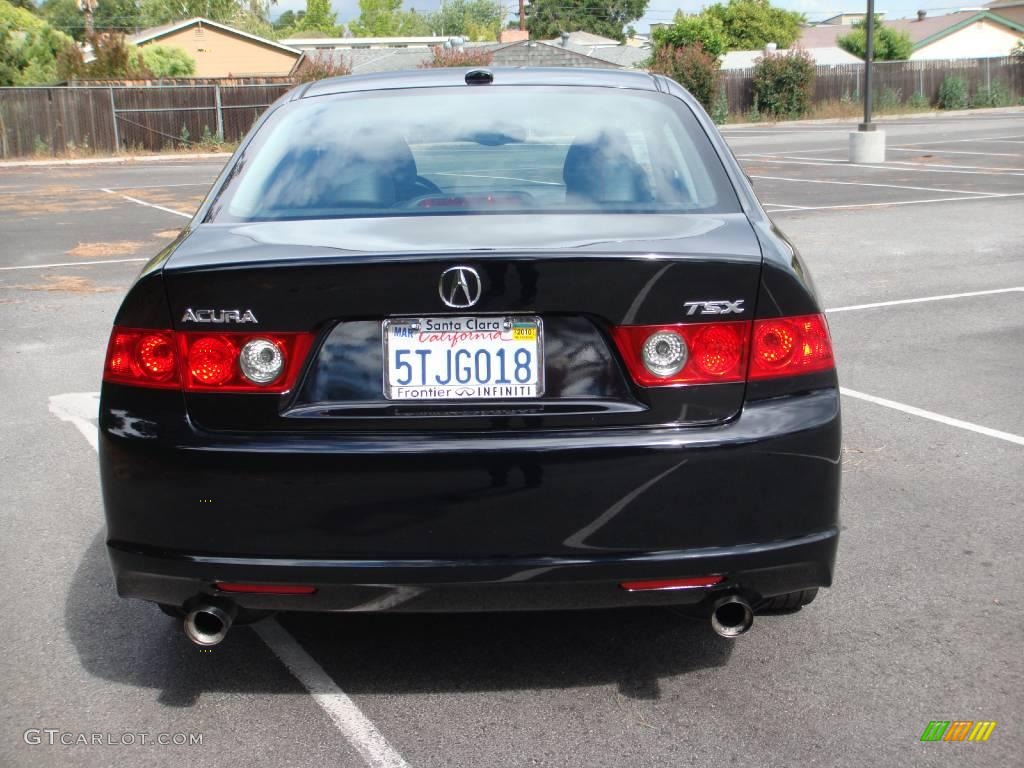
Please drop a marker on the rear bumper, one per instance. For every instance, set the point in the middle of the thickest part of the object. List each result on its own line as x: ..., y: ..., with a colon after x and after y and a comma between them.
x: 757, y: 571
x: 474, y: 522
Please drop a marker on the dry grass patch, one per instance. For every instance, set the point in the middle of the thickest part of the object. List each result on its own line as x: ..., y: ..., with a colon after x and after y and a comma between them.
x: 102, y: 250
x: 53, y: 199
x: 66, y: 284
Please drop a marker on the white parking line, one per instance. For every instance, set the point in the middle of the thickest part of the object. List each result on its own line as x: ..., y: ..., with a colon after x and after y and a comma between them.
x: 912, y: 148
x: 357, y: 728
x: 80, y: 409
x: 943, y: 297
x: 149, y: 186
x: 900, y: 202
x: 893, y: 165
x: 932, y: 416
x: 148, y: 205
x: 871, y: 184
x: 71, y: 264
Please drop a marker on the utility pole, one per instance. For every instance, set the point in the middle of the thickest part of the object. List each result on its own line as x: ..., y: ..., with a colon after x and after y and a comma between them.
x: 87, y: 6
x: 869, y: 58
x: 867, y: 144
x: 522, y: 15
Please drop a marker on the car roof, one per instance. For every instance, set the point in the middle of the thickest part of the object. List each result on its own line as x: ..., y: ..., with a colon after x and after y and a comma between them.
x: 456, y: 76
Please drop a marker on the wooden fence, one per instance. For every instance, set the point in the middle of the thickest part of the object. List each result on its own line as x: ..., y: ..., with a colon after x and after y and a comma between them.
x: 114, y: 118
x: 897, y: 80
x: 152, y: 117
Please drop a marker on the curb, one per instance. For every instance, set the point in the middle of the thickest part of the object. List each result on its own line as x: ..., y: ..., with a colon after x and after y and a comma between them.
x: 125, y: 160
x: 878, y: 118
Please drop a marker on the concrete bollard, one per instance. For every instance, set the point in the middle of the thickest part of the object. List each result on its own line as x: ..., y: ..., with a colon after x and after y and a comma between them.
x: 867, y: 147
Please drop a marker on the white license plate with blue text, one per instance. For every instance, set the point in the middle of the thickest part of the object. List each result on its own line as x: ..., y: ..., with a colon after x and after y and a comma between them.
x: 463, y: 358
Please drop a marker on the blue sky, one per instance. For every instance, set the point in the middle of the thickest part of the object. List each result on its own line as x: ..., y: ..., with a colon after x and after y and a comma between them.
x: 662, y: 10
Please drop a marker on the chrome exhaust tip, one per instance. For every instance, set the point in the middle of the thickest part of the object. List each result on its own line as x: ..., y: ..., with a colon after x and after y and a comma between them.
x: 731, y: 616
x: 207, y: 623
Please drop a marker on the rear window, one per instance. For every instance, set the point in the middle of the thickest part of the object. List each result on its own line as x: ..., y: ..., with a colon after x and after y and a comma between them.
x: 468, y: 150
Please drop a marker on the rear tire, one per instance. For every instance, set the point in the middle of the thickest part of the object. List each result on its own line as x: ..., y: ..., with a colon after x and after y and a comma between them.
x: 789, y: 602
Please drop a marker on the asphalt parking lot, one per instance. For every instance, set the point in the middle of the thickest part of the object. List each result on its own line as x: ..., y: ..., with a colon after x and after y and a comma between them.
x: 920, y: 262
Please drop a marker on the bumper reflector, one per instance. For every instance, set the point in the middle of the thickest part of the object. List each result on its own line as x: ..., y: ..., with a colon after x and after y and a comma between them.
x: 265, y: 589
x: 651, y: 585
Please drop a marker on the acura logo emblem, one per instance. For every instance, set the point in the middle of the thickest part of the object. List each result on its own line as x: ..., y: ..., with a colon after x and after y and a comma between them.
x: 459, y: 287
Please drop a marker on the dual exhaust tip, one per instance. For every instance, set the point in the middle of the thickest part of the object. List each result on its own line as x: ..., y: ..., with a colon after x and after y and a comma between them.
x: 207, y: 624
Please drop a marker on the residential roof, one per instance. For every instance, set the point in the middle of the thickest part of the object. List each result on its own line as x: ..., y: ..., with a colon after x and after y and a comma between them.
x: 365, y: 61
x: 154, y: 33
x: 823, y: 56
x: 455, y: 76
x: 364, y: 42
x: 921, y: 31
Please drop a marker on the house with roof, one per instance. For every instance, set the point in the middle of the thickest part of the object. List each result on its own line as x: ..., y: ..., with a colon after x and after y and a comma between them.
x: 1008, y: 9
x: 220, y: 50
x: 972, y: 34
x: 733, y: 60
x: 368, y: 55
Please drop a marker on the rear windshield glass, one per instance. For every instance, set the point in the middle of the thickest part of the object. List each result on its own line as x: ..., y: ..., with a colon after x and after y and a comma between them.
x: 495, y: 149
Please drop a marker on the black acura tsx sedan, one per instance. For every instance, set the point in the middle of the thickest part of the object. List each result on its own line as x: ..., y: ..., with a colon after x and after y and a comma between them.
x: 473, y: 340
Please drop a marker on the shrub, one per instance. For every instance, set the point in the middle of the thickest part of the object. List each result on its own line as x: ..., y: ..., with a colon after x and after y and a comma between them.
x: 953, y: 93
x: 320, y: 65
x: 165, y: 61
x: 115, y: 58
x: 690, y: 66
x: 783, y: 83
x: 996, y: 95
x: 720, y: 113
x: 918, y: 101
x: 890, y: 98
x: 754, y: 113
x: 458, y: 57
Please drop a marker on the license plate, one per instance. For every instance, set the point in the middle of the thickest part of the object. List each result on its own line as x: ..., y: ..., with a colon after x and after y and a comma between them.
x: 463, y: 358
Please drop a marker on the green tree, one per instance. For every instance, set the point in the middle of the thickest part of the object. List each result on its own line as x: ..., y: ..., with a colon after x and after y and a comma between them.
x: 167, y: 61
x: 890, y: 44
x: 608, y: 18
x: 692, y: 67
x: 318, y: 18
x: 116, y: 15
x: 751, y: 24
x: 156, y: 12
x: 700, y: 29
x: 474, y: 19
x: 288, y: 19
x: 385, y: 18
x: 28, y: 47
x: 114, y: 57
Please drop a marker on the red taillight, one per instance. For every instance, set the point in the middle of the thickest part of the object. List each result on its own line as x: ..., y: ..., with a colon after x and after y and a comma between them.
x: 143, y: 358
x: 726, y: 352
x: 652, y: 585
x: 207, y: 362
x: 264, y: 589
x: 715, y: 352
x: 789, y: 346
